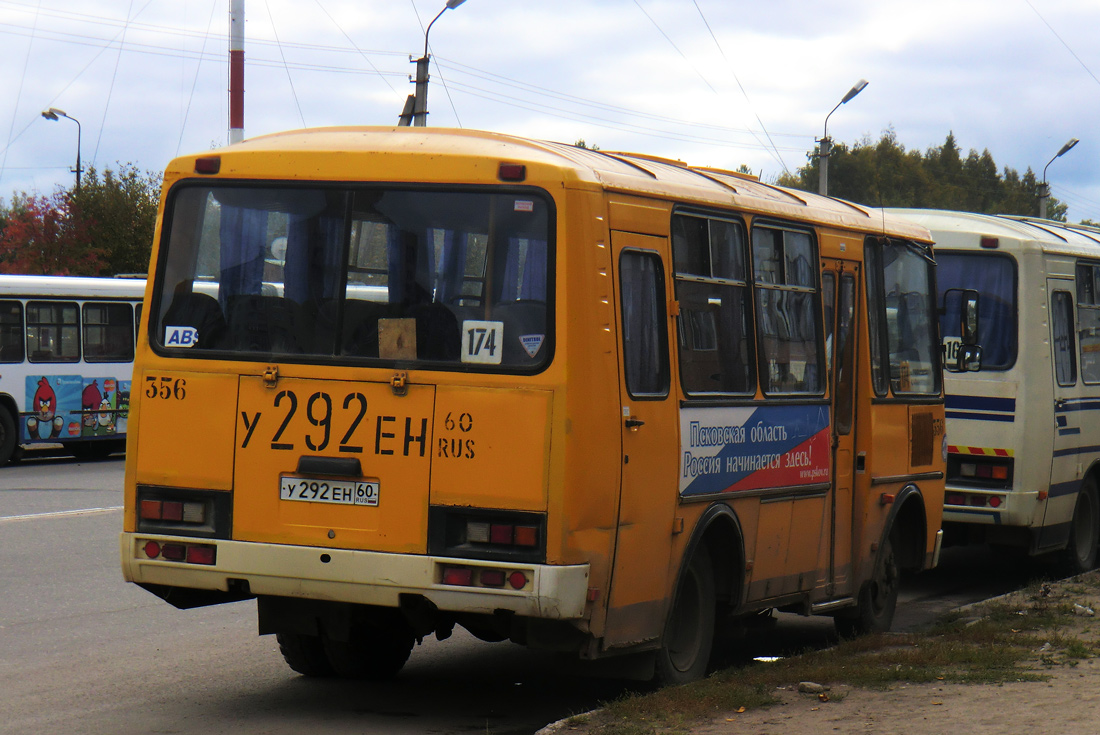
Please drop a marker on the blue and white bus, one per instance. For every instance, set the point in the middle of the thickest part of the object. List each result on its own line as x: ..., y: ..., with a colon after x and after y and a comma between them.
x: 66, y: 357
x: 1023, y: 420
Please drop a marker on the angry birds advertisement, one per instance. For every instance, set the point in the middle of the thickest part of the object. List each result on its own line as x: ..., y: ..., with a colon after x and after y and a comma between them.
x: 61, y: 407
x: 52, y: 401
x: 97, y: 406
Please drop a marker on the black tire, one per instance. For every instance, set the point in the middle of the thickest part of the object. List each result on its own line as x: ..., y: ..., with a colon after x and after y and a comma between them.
x: 8, y: 436
x: 305, y: 654
x: 377, y: 651
x: 689, y: 633
x: 878, y: 598
x: 1080, y: 553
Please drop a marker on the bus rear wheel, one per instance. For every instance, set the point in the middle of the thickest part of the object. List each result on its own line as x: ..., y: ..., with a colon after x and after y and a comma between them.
x: 689, y: 634
x: 1080, y: 553
x: 878, y: 598
x: 7, y: 436
x: 304, y: 654
x: 377, y: 649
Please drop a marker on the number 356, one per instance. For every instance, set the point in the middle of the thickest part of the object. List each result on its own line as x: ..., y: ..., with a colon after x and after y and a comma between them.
x: 165, y: 387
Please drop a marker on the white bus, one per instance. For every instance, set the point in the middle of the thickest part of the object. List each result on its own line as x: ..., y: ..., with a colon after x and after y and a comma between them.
x: 66, y: 356
x: 1023, y: 418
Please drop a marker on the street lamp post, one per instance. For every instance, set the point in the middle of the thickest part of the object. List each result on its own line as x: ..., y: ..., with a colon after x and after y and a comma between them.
x: 827, y: 143
x: 1044, y: 188
x: 416, y: 106
x: 53, y: 114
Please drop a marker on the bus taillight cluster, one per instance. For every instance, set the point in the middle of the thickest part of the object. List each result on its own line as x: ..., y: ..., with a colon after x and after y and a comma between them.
x: 483, y: 577
x: 187, y: 553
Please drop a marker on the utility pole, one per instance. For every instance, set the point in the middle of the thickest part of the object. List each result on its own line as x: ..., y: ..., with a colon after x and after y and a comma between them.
x: 236, y: 71
x: 415, y: 111
x: 827, y: 143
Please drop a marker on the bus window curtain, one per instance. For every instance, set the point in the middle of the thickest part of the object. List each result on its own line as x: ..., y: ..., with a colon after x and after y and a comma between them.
x: 410, y: 267
x: 243, y: 237
x: 532, y: 287
x: 451, y: 267
x: 314, y: 258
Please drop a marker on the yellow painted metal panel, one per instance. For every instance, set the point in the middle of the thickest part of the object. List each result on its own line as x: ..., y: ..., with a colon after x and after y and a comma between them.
x: 185, y: 437
x: 491, y: 448
x: 390, y: 435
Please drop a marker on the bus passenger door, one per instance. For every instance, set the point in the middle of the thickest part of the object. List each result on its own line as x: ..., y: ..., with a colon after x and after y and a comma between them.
x: 649, y: 491
x: 1065, y: 470
x: 840, y: 289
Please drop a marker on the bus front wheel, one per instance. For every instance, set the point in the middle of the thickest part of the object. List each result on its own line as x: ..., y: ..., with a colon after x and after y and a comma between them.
x: 7, y: 436
x: 1080, y: 553
x: 376, y: 651
x: 878, y: 597
x: 689, y: 633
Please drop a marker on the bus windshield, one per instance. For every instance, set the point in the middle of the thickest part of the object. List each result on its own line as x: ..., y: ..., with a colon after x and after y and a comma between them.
x: 994, y: 278
x: 905, y: 275
x: 454, y: 279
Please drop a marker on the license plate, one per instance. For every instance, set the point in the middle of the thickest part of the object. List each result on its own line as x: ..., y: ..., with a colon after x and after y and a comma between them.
x: 340, y: 492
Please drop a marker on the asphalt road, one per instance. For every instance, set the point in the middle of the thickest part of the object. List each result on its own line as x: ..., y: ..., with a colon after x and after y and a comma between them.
x: 83, y: 652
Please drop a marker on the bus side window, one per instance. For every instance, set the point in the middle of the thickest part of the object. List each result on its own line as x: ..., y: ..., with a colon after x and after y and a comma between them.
x: 11, y: 331
x: 785, y: 272
x: 1061, y: 328
x: 645, y: 339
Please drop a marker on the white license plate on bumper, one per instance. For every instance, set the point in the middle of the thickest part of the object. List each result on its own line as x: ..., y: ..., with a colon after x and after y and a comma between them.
x: 339, y: 492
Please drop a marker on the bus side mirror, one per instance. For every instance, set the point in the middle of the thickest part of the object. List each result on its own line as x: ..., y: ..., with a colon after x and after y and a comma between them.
x: 963, y: 354
x: 969, y: 359
x: 969, y: 326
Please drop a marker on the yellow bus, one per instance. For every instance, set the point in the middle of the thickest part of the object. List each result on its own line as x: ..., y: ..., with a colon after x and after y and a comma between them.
x: 393, y: 380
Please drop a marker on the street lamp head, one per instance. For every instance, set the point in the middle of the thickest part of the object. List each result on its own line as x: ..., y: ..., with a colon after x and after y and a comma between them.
x: 854, y: 90
x: 1065, y: 149
x: 452, y: 4
x: 53, y: 113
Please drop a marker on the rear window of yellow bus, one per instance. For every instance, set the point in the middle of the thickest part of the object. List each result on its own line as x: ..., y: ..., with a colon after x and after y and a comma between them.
x: 456, y: 279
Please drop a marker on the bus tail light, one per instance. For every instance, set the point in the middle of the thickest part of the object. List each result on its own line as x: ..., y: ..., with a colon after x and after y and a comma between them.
x: 173, y: 510
x: 473, y: 533
x: 184, y: 512
x: 462, y: 576
x: 189, y: 553
x: 980, y: 471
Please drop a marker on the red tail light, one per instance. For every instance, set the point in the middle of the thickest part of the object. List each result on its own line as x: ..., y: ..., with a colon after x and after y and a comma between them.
x: 201, y: 554
x: 458, y: 575
x: 492, y: 577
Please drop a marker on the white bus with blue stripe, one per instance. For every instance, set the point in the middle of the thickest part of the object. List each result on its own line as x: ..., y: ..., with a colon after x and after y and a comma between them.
x: 1023, y: 418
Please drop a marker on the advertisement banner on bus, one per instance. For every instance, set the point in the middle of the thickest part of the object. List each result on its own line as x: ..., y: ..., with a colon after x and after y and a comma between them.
x: 749, y: 448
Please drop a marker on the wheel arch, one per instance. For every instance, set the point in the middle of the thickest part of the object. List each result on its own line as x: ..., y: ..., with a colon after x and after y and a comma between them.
x: 907, y: 522
x: 718, y: 533
x: 8, y: 402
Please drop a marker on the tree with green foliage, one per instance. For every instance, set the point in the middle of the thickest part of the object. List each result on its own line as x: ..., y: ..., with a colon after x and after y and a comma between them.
x: 119, y: 209
x: 883, y: 173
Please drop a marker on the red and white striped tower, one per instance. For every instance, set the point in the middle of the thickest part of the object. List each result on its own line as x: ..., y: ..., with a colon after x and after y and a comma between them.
x: 236, y: 71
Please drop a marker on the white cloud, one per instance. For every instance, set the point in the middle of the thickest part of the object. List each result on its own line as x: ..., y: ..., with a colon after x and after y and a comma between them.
x: 991, y: 71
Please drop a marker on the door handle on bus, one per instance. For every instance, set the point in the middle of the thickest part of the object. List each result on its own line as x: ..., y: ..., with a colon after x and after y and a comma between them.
x: 633, y: 423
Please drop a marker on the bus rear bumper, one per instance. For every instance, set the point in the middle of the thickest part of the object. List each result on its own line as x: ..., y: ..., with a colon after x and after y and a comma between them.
x: 1015, y: 508
x: 362, y: 577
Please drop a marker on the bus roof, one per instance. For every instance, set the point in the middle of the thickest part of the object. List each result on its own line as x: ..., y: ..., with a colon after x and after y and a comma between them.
x: 71, y: 286
x: 964, y: 229
x: 368, y: 153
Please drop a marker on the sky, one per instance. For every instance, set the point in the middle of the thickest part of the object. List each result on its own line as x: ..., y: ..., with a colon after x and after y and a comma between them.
x: 720, y: 83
